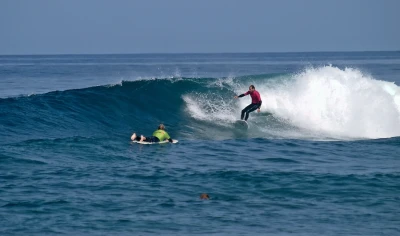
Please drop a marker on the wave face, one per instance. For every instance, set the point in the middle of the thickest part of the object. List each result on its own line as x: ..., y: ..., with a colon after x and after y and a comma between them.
x: 319, y: 103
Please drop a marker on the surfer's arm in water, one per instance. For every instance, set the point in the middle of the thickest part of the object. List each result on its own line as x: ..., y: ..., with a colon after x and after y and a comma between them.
x: 167, y: 137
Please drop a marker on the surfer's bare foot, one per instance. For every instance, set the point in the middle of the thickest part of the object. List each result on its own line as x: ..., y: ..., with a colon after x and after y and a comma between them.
x: 133, y: 137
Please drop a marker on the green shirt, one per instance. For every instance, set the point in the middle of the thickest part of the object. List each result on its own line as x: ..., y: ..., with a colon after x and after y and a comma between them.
x: 161, y: 135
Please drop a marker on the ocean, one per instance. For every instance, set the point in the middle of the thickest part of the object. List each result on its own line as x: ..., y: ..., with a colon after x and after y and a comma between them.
x: 321, y: 158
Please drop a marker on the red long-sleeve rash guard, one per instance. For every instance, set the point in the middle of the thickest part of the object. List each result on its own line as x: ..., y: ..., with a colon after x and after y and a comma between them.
x: 255, y: 96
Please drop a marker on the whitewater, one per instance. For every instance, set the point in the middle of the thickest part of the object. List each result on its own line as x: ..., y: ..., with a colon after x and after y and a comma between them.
x: 326, y: 100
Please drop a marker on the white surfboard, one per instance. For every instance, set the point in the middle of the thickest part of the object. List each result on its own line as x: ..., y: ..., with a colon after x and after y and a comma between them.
x: 165, y: 141
x: 241, y: 124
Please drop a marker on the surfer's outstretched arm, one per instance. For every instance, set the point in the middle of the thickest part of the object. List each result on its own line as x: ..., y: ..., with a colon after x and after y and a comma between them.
x: 241, y: 95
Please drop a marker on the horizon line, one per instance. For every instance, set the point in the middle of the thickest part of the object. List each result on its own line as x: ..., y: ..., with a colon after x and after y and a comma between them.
x: 166, y: 53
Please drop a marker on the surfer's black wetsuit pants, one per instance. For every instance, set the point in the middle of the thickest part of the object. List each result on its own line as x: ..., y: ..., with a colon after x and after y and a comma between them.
x: 250, y: 108
x: 150, y: 139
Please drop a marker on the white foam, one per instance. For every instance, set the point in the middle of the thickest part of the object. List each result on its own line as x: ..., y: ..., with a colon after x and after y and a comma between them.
x: 208, y: 108
x: 339, y: 102
x: 319, y: 103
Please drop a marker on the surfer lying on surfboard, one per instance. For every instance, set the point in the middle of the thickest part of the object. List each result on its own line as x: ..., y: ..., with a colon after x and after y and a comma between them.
x: 158, y: 136
x: 255, y: 102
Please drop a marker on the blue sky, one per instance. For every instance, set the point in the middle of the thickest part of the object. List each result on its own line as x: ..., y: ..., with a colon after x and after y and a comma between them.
x: 184, y: 26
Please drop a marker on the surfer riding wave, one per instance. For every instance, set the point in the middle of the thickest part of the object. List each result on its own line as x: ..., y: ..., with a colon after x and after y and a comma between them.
x: 255, y: 102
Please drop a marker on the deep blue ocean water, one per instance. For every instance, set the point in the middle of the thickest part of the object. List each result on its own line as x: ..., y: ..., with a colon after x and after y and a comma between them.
x: 321, y: 158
